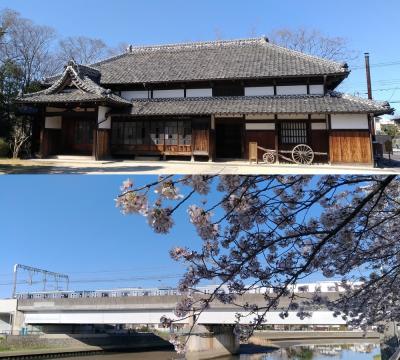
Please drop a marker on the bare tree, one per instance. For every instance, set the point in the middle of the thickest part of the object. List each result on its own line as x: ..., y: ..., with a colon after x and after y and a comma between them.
x: 117, y: 50
x: 82, y: 50
x: 28, y: 45
x: 270, y: 232
x: 20, y: 135
x: 313, y: 42
x: 218, y: 34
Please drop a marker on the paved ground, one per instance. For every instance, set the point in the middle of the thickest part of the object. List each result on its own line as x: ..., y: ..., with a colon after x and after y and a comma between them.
x: 49, y: 166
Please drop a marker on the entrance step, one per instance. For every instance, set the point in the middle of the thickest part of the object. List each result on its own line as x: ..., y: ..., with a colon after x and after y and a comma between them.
x: 72, y: 157
x: 147, y: 158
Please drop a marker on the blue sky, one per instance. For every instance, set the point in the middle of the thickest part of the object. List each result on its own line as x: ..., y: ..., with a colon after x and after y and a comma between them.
x: 369, y: 25
x: 70, y: 224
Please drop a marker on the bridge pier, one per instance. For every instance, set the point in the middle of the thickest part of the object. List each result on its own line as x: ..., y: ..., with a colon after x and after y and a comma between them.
x: 211, y: 341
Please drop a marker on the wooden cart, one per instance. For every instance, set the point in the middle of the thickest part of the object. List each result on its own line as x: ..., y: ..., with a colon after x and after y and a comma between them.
x: 301, y: 154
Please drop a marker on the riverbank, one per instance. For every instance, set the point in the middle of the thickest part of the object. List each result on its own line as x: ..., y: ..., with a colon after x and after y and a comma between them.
x: 270, y: 337
x: 59, y: 345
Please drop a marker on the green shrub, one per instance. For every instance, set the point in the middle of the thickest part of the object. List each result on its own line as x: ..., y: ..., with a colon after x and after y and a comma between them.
x: 4, y: 148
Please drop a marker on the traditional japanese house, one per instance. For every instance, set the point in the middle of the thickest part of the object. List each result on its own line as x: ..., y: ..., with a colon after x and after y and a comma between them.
x: 204, y: 100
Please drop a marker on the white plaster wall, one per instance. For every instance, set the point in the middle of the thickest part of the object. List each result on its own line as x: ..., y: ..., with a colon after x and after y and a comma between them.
x: 129, y: 95
x: 260, y: 117
x: 53, y: 122
x: 199, y: 92
x: 318, y: 116
x: 101, y: 118
x: 318, y: 126
x: 349, y: 121
x: 291, y: 89
x: 162, y: 94
x: 259, y: 91
x: 317, y: 89
x: 260, y: 126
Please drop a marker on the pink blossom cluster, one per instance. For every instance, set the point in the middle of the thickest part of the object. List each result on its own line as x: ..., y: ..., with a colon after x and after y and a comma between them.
x: 272, y: 231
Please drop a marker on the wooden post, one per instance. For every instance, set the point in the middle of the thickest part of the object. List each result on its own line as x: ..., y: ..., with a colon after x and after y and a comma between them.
x: 329, y: 128
x: 253, y: 152
x: 212, y: 146
x: 276, y: 138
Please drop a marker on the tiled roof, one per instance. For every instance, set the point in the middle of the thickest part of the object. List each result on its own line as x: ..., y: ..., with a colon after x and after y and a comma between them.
x: 295, y: 104
x: 217, y: 60
x: 77, y: 84
x: 71, y: 96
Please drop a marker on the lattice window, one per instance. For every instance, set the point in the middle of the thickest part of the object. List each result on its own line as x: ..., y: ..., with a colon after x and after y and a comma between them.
x: 171, y: 133
x: 185, y: 132
x: 148, y: 132
x: 292, y: 132
x: 157, y: 132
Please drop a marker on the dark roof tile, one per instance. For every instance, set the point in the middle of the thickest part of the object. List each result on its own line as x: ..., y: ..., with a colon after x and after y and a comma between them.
x: 296, y: 104
x: 215, y: 60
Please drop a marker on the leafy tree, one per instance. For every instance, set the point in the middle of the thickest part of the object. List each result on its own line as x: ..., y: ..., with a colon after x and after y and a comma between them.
x: 270, y: 232
x: 11, y: 80
x: 391, y: 129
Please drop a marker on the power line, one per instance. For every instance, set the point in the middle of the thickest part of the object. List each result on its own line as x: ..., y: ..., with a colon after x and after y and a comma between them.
x: 137, y: 269
x: 382, y: 64
x: 383, y: 82
x: 94, y: 280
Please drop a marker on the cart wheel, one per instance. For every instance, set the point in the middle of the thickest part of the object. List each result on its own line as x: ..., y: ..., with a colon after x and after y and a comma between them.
x: 302, y: 154
x: 269, y: 157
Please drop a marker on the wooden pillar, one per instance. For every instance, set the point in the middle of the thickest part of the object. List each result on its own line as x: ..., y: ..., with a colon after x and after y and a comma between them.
x: 102, y: 144
x: 43, y: 138
x: 44, y: 143
x: 102, y: 138
x: 276, y: 138
x: 212, y: 147
x: 244, y: 137
x: 329, y: 127
x: 371, y: 135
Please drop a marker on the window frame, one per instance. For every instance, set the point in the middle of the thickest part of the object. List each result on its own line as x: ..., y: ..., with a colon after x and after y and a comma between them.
x: 291, y: 137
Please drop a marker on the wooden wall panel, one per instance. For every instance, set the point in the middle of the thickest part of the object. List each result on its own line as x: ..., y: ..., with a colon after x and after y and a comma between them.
x: 201, y: 136
x: 264, y: 138
x: 102, y: 141
x: 352, y: 147
x: 50, y: 142
x: 320, y: 143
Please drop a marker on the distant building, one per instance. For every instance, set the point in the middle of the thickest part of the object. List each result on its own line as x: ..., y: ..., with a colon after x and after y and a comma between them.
x: 207, y: 99
x: 381, y: 122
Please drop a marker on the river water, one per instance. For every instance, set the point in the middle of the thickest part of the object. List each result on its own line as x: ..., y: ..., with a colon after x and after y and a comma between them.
x: 359, y: 351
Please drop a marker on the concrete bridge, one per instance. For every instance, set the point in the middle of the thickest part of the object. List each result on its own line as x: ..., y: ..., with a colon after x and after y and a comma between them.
x: 212, y: 336
x: 149, y: 310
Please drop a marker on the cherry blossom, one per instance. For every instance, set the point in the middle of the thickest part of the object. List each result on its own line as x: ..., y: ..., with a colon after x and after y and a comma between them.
x: 270, y: 232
